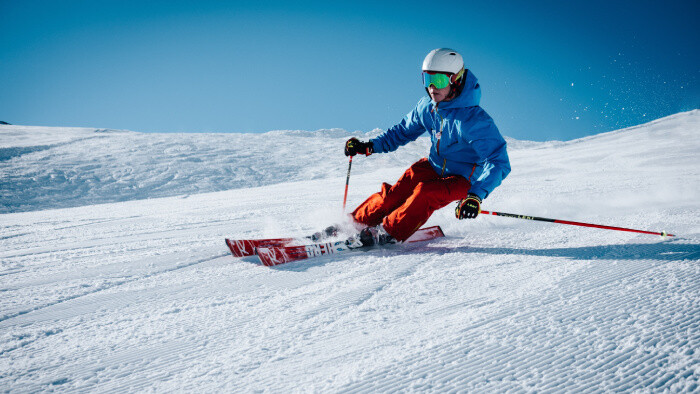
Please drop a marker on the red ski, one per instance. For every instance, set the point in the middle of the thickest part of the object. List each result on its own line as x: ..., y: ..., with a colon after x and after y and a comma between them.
x: 246, y: 247
x: 275, y: 255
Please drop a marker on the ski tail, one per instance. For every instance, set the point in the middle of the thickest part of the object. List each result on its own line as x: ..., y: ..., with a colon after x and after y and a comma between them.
x: 275, y: 255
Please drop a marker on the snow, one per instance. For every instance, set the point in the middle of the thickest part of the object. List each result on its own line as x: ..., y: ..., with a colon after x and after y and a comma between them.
x: 114, y: 275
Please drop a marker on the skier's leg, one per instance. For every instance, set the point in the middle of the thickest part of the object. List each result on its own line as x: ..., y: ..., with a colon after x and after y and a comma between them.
x: 378, y: 205
x: 427, y: 197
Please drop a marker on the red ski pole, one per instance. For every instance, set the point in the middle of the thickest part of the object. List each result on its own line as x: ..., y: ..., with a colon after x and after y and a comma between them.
x: 511, y: 215
x: 347, y: 182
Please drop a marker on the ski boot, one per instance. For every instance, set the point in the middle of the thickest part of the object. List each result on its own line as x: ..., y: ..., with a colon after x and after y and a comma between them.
x: 371, y: 236
x: 328, y: 232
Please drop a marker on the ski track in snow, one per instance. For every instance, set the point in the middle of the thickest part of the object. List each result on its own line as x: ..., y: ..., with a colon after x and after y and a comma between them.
x: 143, y: 295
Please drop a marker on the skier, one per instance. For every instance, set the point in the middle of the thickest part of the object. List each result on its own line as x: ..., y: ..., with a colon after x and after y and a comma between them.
x: 467, y: 158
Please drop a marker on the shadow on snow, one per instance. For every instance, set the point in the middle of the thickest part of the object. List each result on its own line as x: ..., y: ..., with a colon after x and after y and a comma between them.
x: 664, y: 251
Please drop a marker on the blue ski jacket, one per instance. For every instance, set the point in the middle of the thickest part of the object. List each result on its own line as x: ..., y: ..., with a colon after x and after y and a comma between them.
x: 465, y: 140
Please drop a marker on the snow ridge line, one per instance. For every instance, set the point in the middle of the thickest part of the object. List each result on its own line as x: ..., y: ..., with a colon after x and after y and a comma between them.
x: 8, y: 153
x: 467, y: 371
x: 166, y: 359
x: 287, y: 351
x: 5, y: 318
x: 513, y: 312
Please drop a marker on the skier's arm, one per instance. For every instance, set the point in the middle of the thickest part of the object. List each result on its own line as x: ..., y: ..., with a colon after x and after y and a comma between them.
x: 495, y: 165
x: 400, y: 134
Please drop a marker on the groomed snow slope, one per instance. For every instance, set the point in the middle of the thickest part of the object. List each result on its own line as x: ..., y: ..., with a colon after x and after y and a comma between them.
x: 142, y: 295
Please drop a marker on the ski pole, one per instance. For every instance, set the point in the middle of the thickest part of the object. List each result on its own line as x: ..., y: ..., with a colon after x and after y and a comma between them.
x: 347, y: 182
x: 511, y: 215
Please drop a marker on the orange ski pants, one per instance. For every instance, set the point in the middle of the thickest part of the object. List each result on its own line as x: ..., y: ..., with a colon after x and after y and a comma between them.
x: 404, y: 207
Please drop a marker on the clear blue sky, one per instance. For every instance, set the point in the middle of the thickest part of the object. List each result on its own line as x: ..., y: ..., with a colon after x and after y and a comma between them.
x: 548, y: 69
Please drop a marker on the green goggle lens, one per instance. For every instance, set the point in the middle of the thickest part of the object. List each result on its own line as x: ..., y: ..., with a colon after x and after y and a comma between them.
x: 438, y: 80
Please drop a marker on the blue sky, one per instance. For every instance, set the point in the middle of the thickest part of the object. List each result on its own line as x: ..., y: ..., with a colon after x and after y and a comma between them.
x: 548, y: 69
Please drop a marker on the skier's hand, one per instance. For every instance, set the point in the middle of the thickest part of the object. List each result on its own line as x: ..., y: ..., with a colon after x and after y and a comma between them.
x: 354, y: 146
x: 468, y: 208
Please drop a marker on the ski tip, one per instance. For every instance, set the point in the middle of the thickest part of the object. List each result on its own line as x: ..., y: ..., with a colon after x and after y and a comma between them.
x: 230, y: 247
x: 426, y: 234
x: 263, y: 254
x: 236, y: 250
x: 267, y: 256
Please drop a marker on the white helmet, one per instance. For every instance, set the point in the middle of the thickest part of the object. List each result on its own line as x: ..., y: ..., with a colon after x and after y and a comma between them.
x: 443, y: 60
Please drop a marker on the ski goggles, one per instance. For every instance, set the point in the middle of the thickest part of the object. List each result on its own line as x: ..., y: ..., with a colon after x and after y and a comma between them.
x: 439, y: 80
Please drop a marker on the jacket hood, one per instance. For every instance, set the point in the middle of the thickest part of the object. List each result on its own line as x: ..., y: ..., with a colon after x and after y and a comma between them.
x: 470, y: 96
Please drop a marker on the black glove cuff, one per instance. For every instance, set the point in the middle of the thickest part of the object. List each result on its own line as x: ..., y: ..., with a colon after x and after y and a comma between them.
x: 370, y: 147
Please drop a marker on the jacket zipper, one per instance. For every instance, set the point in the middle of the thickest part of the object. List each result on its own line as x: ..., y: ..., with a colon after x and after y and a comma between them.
x: 444, y: 161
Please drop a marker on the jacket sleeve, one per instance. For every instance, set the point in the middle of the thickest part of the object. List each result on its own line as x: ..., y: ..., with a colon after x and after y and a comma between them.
x: 494, y: 162
x: 401, y: 134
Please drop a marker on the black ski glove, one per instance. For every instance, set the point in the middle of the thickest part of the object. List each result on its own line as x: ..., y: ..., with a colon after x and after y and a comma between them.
x: 354, y: 146
x: 468, y: 208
